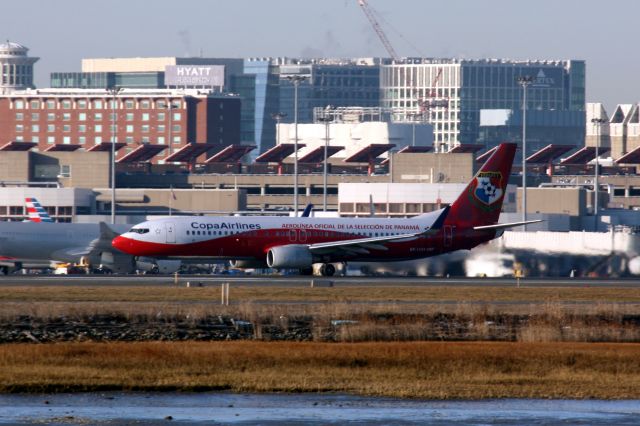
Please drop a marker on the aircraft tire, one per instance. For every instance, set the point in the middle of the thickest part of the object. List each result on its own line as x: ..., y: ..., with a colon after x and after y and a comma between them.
x: 327, y: 270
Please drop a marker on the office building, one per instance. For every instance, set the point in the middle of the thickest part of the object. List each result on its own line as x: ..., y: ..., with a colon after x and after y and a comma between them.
x: 84, y: 117
x: 328, y: 82
x: 452, y: 93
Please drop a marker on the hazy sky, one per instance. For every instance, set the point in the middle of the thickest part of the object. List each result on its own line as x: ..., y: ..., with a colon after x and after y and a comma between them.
x: 62, y: 32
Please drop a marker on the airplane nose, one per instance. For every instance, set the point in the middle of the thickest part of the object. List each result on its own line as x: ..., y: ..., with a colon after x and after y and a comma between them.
x: 120, y: 243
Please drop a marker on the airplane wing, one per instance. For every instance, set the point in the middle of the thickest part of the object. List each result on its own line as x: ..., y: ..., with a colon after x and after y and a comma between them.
x: 96, y: 246
x: 103, y: 242
x: 363, y: 245
x: 506, y: 225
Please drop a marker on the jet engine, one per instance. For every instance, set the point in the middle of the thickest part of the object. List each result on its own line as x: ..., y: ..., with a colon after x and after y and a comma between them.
x: 291, y: 256
x: 148, y: 264
x: 116, y: 262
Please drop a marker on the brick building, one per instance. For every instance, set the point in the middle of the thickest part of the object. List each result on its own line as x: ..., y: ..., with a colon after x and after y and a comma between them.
x: 84, y: 117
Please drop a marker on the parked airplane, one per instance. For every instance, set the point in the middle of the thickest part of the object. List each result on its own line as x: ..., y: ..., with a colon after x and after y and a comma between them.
x: 282, y: 242
x: 36, y: 212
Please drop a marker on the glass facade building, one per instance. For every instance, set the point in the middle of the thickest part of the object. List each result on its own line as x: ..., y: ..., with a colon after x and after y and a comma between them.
x: 258, y: 88
x: 105, y: 80
x: 452, y: 93
x: 343, y: 84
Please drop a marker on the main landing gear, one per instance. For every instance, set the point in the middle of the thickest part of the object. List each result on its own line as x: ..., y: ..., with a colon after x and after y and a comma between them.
x: 327, y: 270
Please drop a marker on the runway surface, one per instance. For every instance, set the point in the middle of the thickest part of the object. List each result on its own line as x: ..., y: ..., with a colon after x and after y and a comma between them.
x: 304, y: 281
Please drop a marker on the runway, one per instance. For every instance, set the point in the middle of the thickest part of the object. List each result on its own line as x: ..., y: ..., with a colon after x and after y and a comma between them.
x: 304, y: 281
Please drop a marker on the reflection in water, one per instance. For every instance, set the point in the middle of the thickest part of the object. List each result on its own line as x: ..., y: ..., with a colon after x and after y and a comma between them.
x: 152, y: 408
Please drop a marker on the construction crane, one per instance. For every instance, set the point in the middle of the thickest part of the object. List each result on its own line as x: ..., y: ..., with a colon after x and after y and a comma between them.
x: 378, y: 29
x: 431, y: 100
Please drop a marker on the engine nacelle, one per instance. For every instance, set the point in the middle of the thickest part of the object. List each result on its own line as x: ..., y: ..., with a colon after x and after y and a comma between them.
x: 148, y: 264
x: 117, y: 262
x: 291, y: 256
x: 246, y: 264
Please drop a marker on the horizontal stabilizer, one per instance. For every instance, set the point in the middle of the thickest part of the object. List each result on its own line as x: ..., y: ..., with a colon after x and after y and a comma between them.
x: 506, y: 225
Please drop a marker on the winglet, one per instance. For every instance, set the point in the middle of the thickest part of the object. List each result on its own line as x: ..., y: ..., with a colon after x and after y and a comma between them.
x: 437, y: 224
x: 440, y: 220
x: 307, y: 210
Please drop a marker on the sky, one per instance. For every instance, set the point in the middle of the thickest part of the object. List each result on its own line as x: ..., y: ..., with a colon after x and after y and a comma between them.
x: 62, y: 32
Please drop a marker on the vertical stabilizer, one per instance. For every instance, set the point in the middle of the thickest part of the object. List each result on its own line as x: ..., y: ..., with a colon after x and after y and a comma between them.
x: 36, y: 212
x: 481, y: 201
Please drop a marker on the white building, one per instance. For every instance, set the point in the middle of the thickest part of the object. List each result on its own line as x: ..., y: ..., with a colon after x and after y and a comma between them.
x: 404, y: 199
x: 355, y: 128
x: 16, y: 68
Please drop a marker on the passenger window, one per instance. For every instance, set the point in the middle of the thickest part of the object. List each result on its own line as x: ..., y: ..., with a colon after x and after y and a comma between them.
x: 187, y: 232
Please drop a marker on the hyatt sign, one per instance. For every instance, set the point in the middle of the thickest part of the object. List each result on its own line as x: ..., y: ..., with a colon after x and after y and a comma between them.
x: 194, y: 75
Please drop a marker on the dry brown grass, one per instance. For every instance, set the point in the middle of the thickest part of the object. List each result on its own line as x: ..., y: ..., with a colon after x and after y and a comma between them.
x: 363, y: 293
x: 416, y: 370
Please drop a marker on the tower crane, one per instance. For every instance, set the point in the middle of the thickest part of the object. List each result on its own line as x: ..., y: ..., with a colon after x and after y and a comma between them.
x: 378, y: 29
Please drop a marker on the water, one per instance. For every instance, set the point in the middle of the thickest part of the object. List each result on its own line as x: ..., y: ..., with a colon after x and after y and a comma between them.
x: 297, y: 409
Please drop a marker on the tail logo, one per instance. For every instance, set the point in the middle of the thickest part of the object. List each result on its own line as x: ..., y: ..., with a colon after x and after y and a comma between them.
x: 487, y: 188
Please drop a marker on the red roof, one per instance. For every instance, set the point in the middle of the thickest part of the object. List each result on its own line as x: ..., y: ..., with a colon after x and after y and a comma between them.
x: 583, y: 156
x: 106, y: 146
x: 466, y: 147
x: 231, y: 154
x: 632, y: 157
x: 190, y: 152
x: 278, y: 153
x: 18, y: 146
x: 485, y: 155
x: 317, y: 155
x: 64, y: 147
x: 144, y: 152
x: 415, y: 149
x: 549, y: 153
x: 369, y: 153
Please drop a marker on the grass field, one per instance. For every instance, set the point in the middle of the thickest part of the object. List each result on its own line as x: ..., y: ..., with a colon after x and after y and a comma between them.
x: 239, y: 293
x: 414, y: 369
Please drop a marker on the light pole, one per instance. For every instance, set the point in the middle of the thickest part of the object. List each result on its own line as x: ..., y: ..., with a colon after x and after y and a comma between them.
x: 114, y: 91
x: 326, y: 120
x: 415, y: 116
x: 524, y: 81
x: 278, y: 116
x: 295, y: 79
x: 598, y: 122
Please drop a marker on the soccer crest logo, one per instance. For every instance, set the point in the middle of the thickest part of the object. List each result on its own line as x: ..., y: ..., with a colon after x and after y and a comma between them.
x: 488, y: 187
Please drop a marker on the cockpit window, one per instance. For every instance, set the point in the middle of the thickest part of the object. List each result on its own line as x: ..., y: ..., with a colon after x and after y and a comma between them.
x: 139, y: 230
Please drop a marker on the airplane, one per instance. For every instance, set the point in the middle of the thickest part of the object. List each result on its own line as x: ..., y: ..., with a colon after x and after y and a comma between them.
x: 301, y: 242
x: 39, y: 243
x: 36, y: 212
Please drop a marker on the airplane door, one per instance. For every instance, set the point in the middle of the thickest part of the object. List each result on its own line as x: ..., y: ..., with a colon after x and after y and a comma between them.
x: 292, y: 235
x: 448, y: 235
x: 302, y: 237
x: 170, y: 231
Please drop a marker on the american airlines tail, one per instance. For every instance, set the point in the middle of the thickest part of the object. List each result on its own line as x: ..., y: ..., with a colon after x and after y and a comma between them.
x: 36, y: 212
x: 481, y: 201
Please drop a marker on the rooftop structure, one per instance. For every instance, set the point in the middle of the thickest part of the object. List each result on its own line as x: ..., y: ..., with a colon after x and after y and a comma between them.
x: 16, y: 67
